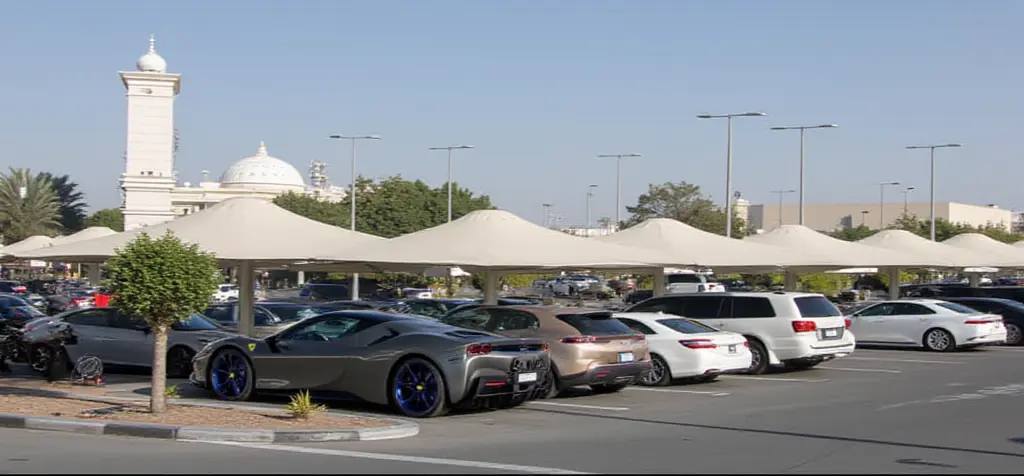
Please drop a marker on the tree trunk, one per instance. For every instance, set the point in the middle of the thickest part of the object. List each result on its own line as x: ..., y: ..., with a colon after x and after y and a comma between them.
x: 157, y: 400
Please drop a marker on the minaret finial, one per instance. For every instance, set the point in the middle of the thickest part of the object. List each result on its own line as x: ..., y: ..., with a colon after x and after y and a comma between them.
x: 262, y: 150
x: 152, y: 43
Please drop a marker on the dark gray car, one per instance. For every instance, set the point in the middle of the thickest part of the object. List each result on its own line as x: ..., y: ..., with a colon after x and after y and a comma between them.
x: 118, y: 339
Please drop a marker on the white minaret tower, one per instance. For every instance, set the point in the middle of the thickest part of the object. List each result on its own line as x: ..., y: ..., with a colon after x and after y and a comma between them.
x: 148, y: 178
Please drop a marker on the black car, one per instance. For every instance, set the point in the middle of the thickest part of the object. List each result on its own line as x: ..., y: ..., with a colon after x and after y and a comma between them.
x: 435, y: 308
x: 1012, y: 312
x: 16, y: 311
x: 501, y: 302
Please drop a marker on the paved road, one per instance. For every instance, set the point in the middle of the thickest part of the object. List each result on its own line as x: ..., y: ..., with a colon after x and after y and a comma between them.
x: 874, y: 412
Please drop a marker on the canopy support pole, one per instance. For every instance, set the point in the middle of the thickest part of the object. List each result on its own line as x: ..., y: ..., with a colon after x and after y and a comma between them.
x: 894, y: 283
x: 301, y: 278
x: 491, y: 287
x: 246, y: 292
x: 789, y: 281
x: 659, y: 282
x: 974, y: 279
x: 94, y: 274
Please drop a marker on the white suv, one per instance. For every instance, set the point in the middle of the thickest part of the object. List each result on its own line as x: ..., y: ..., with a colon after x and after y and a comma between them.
x: 798, y: 330
x: 677, y: 283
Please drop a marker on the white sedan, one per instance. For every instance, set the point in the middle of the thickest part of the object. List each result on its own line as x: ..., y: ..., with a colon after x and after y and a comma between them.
x: 684, y: 348
x: 938, y: 326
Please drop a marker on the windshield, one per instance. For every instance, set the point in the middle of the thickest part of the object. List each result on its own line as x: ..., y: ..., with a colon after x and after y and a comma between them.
x: 957, y: 308
x: 195, y: 322
x: 596, y: 324
x: 816, y: 306
x: 686, y: 326
x: 291, y: 312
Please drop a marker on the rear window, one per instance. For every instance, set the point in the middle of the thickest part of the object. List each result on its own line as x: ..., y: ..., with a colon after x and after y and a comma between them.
x: 958, y: 308
x: 686, y: 326
x: 595, y: 324
x: 816, y: 306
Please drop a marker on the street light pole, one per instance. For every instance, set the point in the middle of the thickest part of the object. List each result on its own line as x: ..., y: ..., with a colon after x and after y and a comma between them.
x: 547, y: 214
x: 802, y: 174
x: 906, y: 201
x: 618, y: 182
x: 932, y: 192
x: 590, y: 195
x: 728, y: 161
x: 354, y: 285
x: 881, y: 203
x: 781, y: 193
x: 450, y: 148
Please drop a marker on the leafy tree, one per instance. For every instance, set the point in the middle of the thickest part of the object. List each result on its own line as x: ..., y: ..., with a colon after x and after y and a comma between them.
x: 604, y: 222
x: 108, y: 217
x: 824, y: 283
x: 72, y: 202
x: 683, y: 202
x: 852, y: 234
x: 945, y: 230
x: 28, y: 205
x: 161, y: 281
x: 390, y: 207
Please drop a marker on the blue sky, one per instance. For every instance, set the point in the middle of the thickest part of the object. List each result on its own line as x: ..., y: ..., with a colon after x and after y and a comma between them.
x: 540, y: 87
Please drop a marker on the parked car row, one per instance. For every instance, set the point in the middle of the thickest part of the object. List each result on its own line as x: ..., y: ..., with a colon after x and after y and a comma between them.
x: 425, y: 358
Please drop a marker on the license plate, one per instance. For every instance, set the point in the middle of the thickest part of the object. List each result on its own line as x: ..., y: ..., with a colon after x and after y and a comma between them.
x: 831, y: 332
x: 526, y: 377
x: 625, y: 356
x: 732, y: 349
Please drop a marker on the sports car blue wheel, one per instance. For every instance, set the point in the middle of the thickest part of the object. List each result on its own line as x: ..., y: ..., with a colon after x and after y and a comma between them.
x: 418, y: 390
x: 231, y: 375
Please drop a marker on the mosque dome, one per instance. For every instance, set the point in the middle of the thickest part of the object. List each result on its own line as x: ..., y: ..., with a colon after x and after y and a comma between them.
x: 151, y: 62
x: 263, y: 171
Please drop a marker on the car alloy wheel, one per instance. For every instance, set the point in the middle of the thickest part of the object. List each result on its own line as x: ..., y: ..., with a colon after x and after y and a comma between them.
x: 418, y: 389
x: 40, y: 358
x: 657, y: 374
x: 939, y: 340
x: 231, y: 376
x: 1013, y: 334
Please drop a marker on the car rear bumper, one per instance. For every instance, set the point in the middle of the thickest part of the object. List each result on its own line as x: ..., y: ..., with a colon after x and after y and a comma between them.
x: 711, y: 363
x: 606, y: 374
x: 995, y: 338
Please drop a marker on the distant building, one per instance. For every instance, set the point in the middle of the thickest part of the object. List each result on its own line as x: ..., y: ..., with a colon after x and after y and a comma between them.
x: 828, y: 217
x: 590, y: 232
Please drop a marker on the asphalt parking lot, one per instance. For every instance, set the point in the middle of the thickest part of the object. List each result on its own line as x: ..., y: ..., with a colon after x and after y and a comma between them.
x: 877, y: 411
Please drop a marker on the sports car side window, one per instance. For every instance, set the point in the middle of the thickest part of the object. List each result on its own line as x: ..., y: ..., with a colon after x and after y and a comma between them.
x: 475, y: 319
x: 324, y: 329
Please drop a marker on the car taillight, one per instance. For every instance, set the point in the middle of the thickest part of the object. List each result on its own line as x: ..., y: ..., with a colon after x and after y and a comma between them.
x: 848, y: 323
x: 698, y: 343
x: 979, y: 321
x: 804, y: 326
x: 478, y: 349
x: 579, y: 340
x: 746, y: 344
x: 545, y: 346
x: 639, y: 337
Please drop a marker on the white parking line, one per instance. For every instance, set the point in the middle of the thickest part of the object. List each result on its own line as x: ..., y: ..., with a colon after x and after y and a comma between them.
x: 1004, y: 349
x: 773, y: 379
x: 906, y: 360
x: 883, y: 371
x: 393, y: 457
x: 573, y: 405
x: 673, y: 390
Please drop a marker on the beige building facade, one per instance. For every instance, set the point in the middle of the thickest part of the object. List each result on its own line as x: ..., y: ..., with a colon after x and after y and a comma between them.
x: 827, y: 217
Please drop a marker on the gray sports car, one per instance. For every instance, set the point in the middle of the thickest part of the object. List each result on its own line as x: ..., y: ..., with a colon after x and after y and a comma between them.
x: 419, y: 366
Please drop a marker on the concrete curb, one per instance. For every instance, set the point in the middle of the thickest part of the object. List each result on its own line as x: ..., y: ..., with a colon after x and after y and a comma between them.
x: 400, y: 428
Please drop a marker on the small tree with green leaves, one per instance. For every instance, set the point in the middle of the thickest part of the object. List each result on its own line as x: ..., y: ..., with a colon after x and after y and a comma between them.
x: 162, y: 281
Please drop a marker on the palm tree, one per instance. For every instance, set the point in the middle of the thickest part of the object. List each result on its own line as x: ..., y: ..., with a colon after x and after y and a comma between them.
x: 28, y: 205
x: 72, y: 204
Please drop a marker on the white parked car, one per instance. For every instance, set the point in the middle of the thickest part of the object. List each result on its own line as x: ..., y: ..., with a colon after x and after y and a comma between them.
x: 225, y: 292
x: 938, y: 326
x: 416, y: 293
x: 685, y: 348
x: 570, y: 285
x: 798, y: 330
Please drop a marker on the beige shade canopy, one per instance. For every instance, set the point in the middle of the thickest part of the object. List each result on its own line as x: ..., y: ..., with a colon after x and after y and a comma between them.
x: 1006, y: 256
x: 820, y: 251
x: 86, y: 234
x: 502, y: 242
x: 689, y: 246
x: 235, y: 230
x: 941, y: 255
x: 12, y: 250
